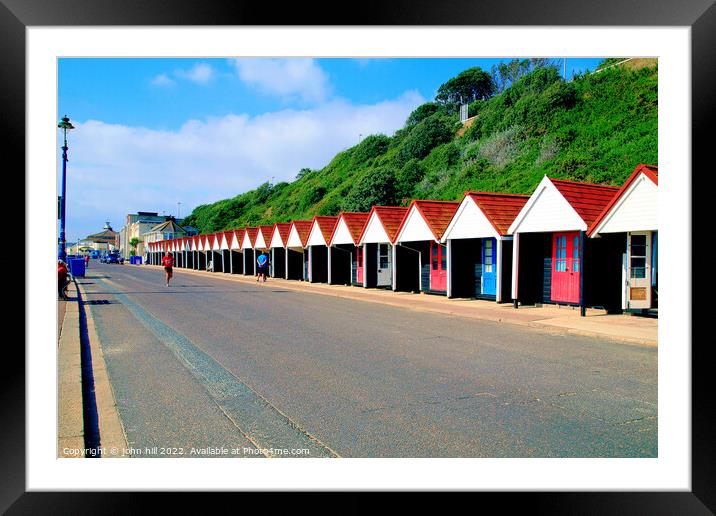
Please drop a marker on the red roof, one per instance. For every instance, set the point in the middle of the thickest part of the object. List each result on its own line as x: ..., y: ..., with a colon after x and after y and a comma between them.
x: 303, y: 228
x: 227, y: 236
x: 252, y: 232
x: 650, y: 171
x: 501, y: 209
x: 389, y: 216
x: 354, y: 221
x: 267, y: 232
x: 587, y: 199
x: 437, y: 215
x: 326, y: 224
x: 283, y: 230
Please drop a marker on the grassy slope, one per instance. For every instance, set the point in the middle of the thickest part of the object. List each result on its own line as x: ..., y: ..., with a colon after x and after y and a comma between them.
x: 596, y: 128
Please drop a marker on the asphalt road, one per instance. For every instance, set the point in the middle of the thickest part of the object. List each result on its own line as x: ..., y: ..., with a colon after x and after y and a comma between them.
x: 211, y: 364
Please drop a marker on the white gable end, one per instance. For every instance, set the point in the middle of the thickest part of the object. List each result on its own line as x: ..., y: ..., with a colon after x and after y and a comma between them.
x: 342, y: 235
x: 260, y: 240
x: 415, y: 228
x: 246, y: 243
x: 293, y: 239
x: 469, y: 222
x: 315, y: 237
x: 636, y: 209
x: 224, y: 243
x: 276, y: 240
x: 374, y: 232
x: 547, y: 211
x: 234, y: 241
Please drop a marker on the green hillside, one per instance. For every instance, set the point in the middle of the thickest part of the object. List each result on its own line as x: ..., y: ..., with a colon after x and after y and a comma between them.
x: 596, y: 128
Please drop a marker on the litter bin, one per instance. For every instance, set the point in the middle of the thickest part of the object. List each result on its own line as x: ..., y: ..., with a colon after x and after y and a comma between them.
x: 77, y: 267
x: 138, y: 260
x: 132, y: 260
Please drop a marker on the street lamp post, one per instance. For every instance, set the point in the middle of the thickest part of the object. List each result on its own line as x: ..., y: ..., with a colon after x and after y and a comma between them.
x: 65, y: 125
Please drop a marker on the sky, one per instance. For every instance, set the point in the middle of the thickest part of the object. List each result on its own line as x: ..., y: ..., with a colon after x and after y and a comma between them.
x: 152, y: 133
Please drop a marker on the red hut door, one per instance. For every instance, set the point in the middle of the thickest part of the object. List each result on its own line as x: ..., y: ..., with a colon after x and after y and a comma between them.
x: 565, y: 267
x: 438, y: 266
x: 359, y: 264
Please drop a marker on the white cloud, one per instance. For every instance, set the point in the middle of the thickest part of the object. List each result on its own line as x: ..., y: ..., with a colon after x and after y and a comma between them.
x: 200, y: 73
x: 115, y: 169
x: 162, y: 80
x: 294, y: 78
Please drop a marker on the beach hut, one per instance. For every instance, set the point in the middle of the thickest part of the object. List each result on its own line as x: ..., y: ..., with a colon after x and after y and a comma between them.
x: 263, y: 241
x: 296, y: 252
x: 194, y: 247
x: 176, y: 252
x: 236, y: 256
x: 318, y: 238
x: 247, y: 246
x: 345, y: 256
x: 632, y: 218
x: 215, y: 252
x: 277, y: 244
x: 479, y: 251
x: 185, y: 243
x: 376, y: 243
x: 224, y: 239
x: 419, y: 256
x: 552, y: 260
x: 203, y: 251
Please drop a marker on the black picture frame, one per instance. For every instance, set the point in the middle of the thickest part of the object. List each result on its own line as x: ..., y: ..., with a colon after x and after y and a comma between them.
x: 700, y: 15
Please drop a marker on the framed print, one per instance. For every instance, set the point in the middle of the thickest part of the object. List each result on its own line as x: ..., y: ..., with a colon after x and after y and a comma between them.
x: 457, y: 424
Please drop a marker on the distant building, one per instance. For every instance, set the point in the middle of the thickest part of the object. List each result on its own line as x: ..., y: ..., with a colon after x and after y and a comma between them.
x: 168, y: 230
x: 105, y: 240
x: 138, y: 225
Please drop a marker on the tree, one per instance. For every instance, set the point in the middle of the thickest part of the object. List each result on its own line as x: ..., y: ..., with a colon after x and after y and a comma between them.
x: 428, y: 134
x: 133, y: 243
x: 421, y: 112
x: 505, y: 75
x: 375, y: 188
x: 472, y: 84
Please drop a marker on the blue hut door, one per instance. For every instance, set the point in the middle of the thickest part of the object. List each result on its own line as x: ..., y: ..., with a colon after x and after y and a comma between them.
x: 488, y: 267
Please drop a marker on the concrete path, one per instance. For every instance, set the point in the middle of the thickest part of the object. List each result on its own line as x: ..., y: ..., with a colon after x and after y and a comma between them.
x: 556, y: 319
x: 219, y: 361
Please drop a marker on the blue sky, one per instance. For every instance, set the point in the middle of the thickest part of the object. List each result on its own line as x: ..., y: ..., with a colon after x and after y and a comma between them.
x: 152, y: 132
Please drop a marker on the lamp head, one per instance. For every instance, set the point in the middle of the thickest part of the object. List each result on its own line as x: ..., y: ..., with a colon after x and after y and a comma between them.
x: 65, y: 124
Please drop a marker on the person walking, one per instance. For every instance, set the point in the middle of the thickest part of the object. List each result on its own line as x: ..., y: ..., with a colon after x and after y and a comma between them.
x: 87, y: 259
x: 263, y: 262
x: 62, y: 280
x: 168, y: 263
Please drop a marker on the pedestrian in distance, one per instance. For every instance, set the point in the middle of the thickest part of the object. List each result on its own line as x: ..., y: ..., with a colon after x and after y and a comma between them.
x: 210, y: 265
x: 263, y: 264
x: 87, y: 259
x: 62, y: 280
x: 168, y: 263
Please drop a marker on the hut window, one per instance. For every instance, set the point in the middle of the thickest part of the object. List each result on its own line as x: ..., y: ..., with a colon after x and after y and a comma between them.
x: 638, y: 256
x: 575, y: 254
x: 561, y: 254
x: 488, y: 256
x: 383, y: 256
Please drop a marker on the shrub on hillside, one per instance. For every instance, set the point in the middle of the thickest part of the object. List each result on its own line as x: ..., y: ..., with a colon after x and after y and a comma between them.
x: 371, y: 147
x: 502, y: 148
x: 427, y: 135
x: 376, y: 187
x: 407, y: 177
x: 421, y: 113
x: 311, y: 196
